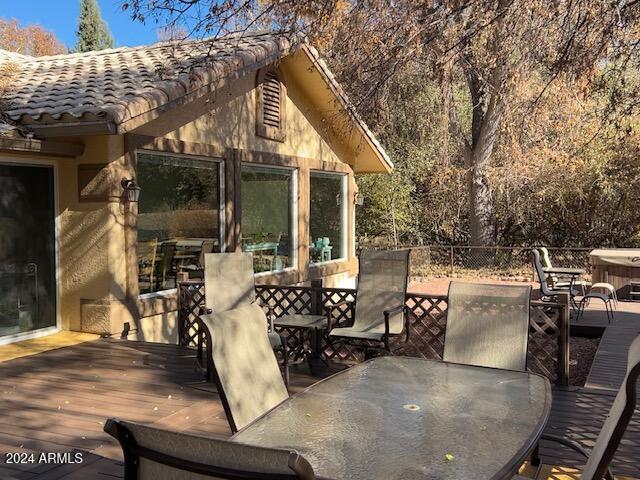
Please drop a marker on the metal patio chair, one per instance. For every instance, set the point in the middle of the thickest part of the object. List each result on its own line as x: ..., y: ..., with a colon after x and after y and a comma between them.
x: 615, y: 425
x: 152, y: 454
x: 196, y: 270
x: 556, y: 281
x: 245, y: 369
x: 488, y: 325
x: 379, y: 312
x: 545, y: 290
x: 229, y: 284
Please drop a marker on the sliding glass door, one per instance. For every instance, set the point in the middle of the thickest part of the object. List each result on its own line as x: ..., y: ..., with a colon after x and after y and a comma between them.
x: 27, y: 249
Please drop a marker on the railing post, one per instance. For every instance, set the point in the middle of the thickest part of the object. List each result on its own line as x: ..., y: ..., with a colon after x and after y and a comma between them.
x: 180, y: 315
x: 316, y: 297
x: 563, y: 339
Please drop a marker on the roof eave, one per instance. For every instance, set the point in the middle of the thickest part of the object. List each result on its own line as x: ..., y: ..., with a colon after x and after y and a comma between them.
x: 378, y: 150
x: 66, y: 129
x: 44, y: 147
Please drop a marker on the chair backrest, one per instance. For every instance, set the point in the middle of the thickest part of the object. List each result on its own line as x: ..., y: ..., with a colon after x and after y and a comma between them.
x: 546, y: 259
x: 207, y: 247
x: 488, y: 325
x: 382, y: 284
x: 153, y: 454
x: 546, y: 262
x: 147, y: 254
x: 228, y: 280
x: 542, y: 278
x: 245, y: 368
x: 619, y: 417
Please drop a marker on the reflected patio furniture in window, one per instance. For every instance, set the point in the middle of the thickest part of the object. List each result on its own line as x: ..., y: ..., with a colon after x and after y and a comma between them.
x: 268, y: 219
x: 194, y: 264
x: 147, y: 256
x: 179, y: 208
x: 327, y: 216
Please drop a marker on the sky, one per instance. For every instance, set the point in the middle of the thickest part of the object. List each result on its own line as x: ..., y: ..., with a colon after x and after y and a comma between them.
x: 61, y: 17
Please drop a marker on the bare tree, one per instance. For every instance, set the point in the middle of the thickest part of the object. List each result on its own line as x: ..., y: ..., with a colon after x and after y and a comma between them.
x: 490, y: 44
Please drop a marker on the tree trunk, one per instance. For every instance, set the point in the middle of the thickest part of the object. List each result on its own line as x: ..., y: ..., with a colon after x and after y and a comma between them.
x: 484, y: 132
x: 481, y: 228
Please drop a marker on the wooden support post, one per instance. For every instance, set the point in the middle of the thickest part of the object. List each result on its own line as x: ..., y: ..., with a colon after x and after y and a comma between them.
x: 563, y: 339
x: 316, y: 297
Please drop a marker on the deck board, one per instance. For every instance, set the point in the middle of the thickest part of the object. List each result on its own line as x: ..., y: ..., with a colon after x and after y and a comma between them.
x: 134, y: 380
x: 610, y: 362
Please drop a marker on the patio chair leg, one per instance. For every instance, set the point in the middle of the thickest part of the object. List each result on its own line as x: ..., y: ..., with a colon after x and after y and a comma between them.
x: 535, y: 456
x: 285, y: 364
x: 609, y: 306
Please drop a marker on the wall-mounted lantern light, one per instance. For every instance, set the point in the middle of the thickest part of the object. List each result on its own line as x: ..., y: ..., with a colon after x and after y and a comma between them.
x: 358, y: 199
x: 131, y: 190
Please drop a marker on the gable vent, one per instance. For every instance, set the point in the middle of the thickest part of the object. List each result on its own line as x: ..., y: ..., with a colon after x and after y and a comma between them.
x: 271, y: 100
x: 270, y: 114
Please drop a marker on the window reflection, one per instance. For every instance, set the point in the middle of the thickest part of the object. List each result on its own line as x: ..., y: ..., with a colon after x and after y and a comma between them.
x: 267, y: 206
x: 178, y: 218
x: 327, y: 217
x: 27, y: 249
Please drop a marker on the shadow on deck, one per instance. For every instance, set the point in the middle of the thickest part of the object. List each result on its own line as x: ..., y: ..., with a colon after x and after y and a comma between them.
x: 57, y: 401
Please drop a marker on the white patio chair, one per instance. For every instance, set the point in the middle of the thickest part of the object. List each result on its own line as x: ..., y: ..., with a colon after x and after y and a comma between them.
x: 556, y: 281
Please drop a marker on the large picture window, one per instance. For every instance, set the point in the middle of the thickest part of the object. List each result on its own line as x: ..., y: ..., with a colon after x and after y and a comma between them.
x: 179, y: 218
x: 268, y: 217
x: 327, y: 217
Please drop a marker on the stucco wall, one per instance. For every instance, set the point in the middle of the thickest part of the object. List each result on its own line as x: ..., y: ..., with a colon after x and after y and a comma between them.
x: 90, y: 247
x: 93, y: 288
x: 227, y: 118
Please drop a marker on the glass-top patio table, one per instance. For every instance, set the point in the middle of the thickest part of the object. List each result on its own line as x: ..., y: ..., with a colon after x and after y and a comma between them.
x: 408, y: 418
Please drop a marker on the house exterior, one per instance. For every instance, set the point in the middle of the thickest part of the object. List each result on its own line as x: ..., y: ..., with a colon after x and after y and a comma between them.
x: 120, y: 169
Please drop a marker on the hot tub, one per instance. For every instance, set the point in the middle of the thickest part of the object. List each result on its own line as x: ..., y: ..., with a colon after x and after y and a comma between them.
x: 619, y: 267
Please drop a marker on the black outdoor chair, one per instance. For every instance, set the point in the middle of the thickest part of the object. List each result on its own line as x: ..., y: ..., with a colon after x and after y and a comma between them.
x: 379, y: 312
x: 622, y: 410
x: 154, y: 454
x: 488, y: 325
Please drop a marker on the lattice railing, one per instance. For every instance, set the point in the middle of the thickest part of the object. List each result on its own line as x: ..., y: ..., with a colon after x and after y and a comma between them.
x: 548, y: 335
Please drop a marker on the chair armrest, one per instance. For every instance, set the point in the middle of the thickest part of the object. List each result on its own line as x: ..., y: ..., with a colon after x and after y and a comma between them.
x: 574, y: 446
x: 387, y: 313
x: 566, y: 442
x: 330, y: 305
x: 191, y: 268
x: 392, y: 310
x: 270, y: 314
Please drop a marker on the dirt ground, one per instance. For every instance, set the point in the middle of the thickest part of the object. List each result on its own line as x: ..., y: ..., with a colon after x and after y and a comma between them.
x: 581, y: 352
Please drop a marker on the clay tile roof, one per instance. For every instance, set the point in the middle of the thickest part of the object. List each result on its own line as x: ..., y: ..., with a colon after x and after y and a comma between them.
x: 119, y: 84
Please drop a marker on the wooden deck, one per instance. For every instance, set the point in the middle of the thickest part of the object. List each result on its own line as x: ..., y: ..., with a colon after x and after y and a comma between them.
x: 57, y: 401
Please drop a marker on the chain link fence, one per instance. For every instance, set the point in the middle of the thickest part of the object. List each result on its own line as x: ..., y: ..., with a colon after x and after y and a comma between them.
x: 496, y: 263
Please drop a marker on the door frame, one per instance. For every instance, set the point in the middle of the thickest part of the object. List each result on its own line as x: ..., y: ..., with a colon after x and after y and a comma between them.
x: 41, y: 332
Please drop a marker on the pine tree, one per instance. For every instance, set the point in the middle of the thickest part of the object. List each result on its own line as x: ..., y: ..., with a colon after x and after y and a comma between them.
x: 93, y: 32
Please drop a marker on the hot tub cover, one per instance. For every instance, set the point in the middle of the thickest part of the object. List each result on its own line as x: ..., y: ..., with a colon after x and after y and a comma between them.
x: 626, y: 257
